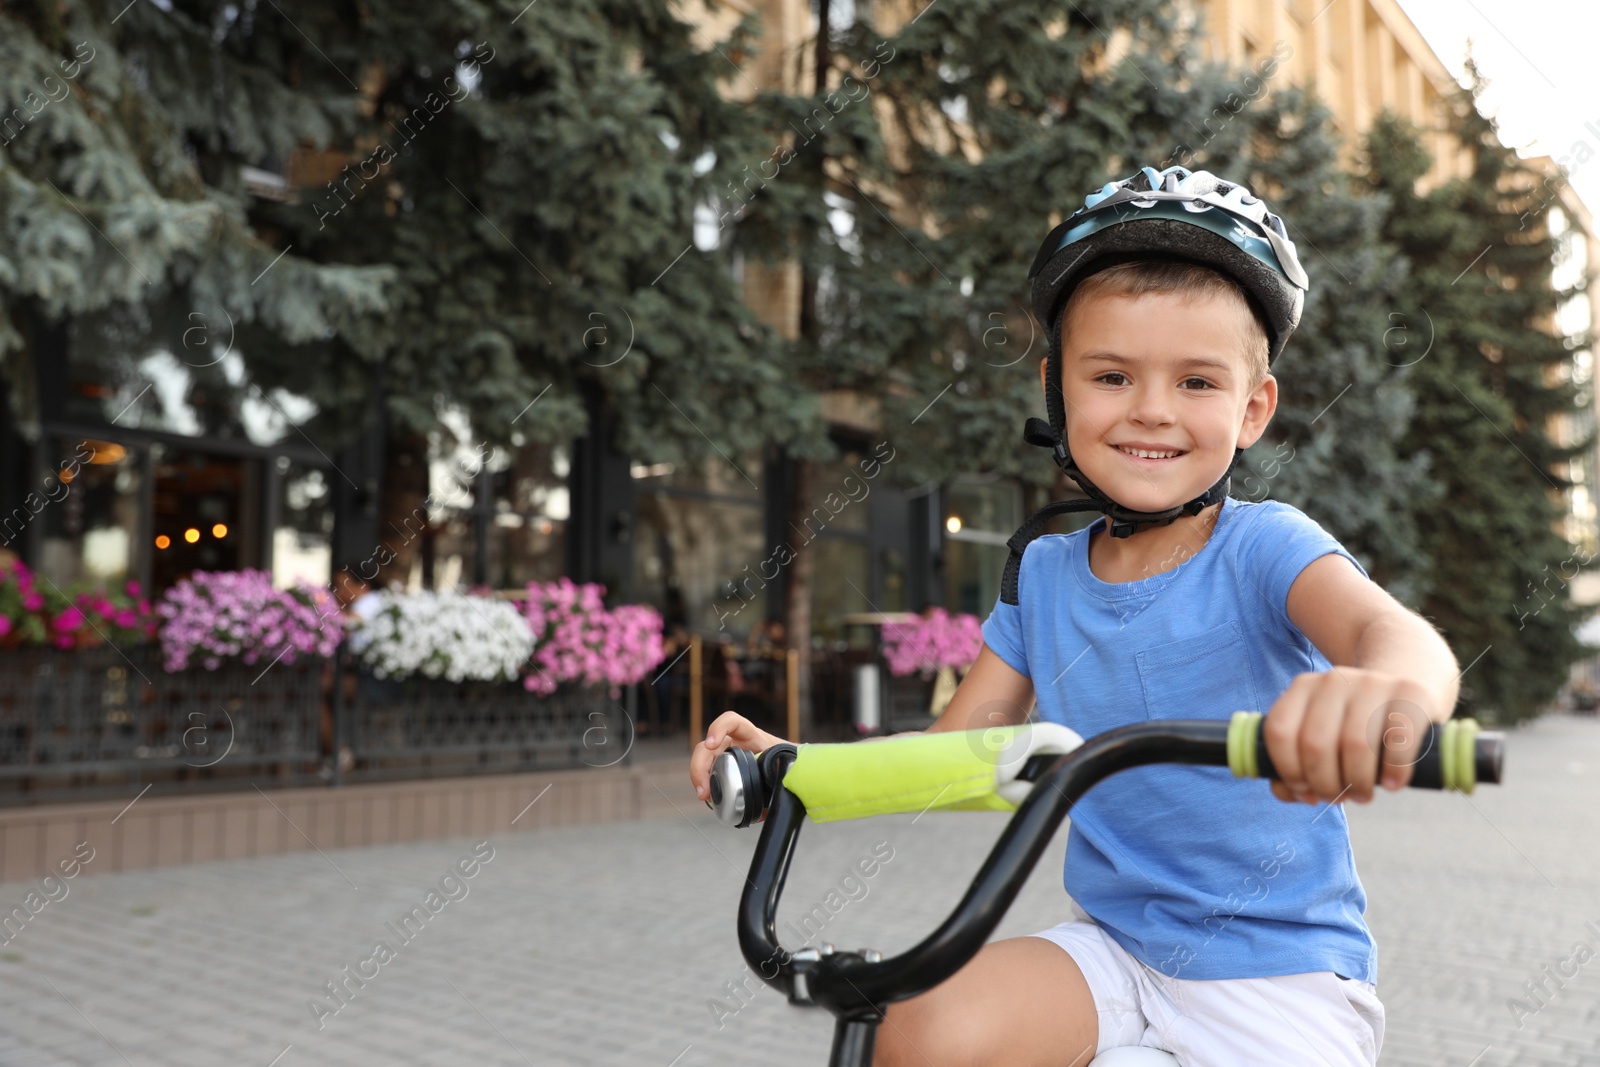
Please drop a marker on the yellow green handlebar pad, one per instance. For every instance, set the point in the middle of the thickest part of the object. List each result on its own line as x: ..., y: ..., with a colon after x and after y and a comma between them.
x: 947, y: 771
x: 1448, y: 759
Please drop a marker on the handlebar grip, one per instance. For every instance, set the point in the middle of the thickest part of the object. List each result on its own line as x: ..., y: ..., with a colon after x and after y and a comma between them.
x: 1456, y: 755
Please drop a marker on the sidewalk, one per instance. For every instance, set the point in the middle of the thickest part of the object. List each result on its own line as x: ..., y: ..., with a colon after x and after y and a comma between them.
x: 613, y: 944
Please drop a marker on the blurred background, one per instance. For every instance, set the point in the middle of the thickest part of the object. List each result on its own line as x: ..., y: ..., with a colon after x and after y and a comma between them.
x: 417, y: 421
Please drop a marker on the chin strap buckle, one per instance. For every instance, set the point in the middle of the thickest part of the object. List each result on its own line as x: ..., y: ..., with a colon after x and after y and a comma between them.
x: 1041, y: 434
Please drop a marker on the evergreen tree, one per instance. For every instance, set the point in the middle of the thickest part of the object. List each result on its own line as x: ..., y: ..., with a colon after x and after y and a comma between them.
x: 115, y: 196
x: 915, y: 181
x: 918, y: 213
x: 507, y: 200
x: 1488, y: 391
x: 1337, y: 446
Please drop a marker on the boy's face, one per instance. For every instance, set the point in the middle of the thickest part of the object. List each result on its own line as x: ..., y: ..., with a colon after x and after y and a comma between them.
x: 1162, y: 373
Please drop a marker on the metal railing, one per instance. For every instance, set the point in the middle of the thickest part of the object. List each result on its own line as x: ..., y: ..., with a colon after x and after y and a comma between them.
x: 87, y: 723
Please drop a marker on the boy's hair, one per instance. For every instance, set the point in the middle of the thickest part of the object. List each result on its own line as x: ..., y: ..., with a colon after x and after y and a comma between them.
x: 1141, y: 276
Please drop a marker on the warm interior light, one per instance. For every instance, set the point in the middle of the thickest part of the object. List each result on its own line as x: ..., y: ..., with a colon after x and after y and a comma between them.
x: 191, y: 535
x: 953, y: 524
x: 163, y: 541
x: 105, y: 452
x: 219, y: 531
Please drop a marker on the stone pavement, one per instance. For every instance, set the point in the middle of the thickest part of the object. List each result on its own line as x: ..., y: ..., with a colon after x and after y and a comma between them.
x: 614, y: 944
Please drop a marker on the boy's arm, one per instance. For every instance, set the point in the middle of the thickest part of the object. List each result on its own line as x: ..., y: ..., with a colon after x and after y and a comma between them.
x: 992, y: 694
x: 1392, y: 675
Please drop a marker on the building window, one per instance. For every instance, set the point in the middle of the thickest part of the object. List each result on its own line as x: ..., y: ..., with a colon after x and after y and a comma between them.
x: 206, y: 513
x: 698, y: 547
x: 841, y: 574
x: 302, y: 538
x: 527, y: 531
x: 980, y: 516
x: 90, y: 518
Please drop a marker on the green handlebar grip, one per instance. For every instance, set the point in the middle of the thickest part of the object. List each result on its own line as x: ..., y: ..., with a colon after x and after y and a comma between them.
x: 953, y: 770
x: 1456, y: 755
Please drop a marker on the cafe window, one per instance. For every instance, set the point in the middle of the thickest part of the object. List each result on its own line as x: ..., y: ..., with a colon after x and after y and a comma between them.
x: 206, y: 513
x: 698, y: 544
x: 498, y: 514
x: 302, y: 541
x: 90, y: 514
x: 455, y: 460
x: 527, y: 531
x: 839, y: 523
x: 980, y: 515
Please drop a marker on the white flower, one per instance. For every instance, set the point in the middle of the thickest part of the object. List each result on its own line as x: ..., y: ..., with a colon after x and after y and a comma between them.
x: 447, y: 635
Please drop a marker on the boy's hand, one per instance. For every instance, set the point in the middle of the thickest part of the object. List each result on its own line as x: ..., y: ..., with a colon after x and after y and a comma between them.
x: 1323, y: 734
x: 729, y: 730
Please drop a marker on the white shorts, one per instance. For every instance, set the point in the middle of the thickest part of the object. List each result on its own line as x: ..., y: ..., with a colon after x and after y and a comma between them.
x: 1315, y: 1018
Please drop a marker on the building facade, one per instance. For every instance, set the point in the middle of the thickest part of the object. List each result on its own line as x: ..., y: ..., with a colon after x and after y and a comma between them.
x: 189, y: 465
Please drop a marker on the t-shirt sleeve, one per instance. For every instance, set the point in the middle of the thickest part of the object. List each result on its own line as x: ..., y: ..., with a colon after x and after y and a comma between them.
x: 1002, y: 633
x: 1282, y: 542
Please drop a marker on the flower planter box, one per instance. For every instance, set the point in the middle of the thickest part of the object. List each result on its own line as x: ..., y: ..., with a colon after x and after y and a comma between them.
x: 420, y: 727
x: 85, y: 723
x: 101, y: 719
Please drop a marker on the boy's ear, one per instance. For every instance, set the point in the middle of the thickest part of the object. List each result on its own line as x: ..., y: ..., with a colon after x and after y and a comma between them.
x: 1044, y: 362
x: 1259, y: 408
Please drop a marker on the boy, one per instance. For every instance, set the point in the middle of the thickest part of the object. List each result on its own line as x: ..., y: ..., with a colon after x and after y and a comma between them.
x: 1209, y: 921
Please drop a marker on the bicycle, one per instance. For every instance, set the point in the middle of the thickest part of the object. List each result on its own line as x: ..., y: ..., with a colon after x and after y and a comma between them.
x: 1040, y: 770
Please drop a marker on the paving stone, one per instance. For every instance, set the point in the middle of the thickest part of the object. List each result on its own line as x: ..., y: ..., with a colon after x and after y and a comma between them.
x: 614, y: 944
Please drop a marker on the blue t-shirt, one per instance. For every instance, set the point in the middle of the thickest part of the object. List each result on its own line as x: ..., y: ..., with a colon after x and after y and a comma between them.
x: 1195, y: 872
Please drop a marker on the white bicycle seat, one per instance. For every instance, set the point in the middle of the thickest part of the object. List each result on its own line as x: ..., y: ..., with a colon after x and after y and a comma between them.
x: 1134, y: 1057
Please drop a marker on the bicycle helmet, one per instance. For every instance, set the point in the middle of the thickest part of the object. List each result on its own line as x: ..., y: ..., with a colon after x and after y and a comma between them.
x: 1170, y: 214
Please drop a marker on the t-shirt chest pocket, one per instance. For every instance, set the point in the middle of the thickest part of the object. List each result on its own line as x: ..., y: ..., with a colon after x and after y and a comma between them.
x: 1206, y: 676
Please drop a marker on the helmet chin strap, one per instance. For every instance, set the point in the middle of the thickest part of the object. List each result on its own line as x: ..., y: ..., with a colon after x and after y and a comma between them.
x: 1122, y: 521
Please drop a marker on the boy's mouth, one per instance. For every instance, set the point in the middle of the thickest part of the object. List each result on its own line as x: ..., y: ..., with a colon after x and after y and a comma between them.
x: 1149, y: 453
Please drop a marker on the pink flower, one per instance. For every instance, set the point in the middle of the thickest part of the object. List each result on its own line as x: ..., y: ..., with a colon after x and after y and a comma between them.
x: 33, y: 601
x: 69, y: 620
x: 578, y: 641
x: 239, y: 614
x: 928, y: 643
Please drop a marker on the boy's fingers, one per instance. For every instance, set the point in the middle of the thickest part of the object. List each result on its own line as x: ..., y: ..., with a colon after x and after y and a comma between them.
x: 1405, y: 731
x: 1319, y: 739
x: 707, y: 751
x: 1358, y: 747
x: 728, y: 730
x: 1282, y: 729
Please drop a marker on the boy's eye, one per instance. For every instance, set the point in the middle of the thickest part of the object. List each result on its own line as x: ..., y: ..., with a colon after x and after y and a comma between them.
x: 1107, y: 377
x: 1196, y: 383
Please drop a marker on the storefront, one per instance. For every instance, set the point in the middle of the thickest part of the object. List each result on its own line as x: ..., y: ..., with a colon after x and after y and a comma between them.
x: 145, y: 465
x: 151, y: 459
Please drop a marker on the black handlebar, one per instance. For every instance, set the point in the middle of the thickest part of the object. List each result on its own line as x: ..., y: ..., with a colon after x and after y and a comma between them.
x: 857, y: 986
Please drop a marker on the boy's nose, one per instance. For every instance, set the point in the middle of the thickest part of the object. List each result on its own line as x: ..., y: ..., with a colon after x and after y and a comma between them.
x: 1152, y: 407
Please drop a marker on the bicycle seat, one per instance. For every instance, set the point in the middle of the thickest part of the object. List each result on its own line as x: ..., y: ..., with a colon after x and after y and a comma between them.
x: 1134, y: 1057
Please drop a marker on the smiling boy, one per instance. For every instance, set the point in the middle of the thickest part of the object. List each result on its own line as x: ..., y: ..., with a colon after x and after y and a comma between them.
x: 1209, y: 920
